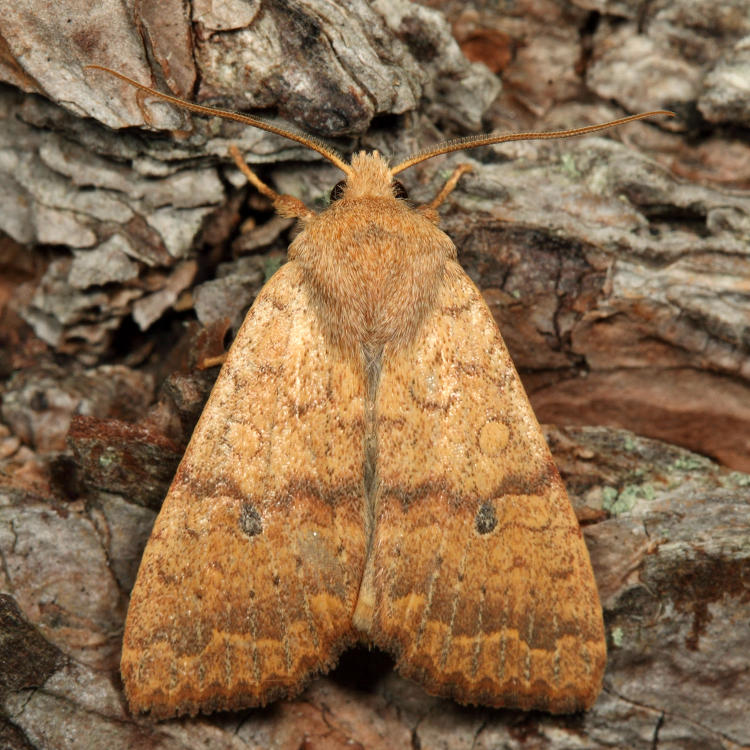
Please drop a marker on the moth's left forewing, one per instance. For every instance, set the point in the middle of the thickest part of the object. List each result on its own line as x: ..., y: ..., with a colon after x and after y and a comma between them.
x: 249, y: 580
x: 478, y: 578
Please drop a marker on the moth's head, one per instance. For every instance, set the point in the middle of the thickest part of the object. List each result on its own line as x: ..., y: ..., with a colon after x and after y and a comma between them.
x: 369, y: 177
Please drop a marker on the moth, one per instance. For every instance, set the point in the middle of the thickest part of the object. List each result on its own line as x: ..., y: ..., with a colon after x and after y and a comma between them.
x: 367, y: 468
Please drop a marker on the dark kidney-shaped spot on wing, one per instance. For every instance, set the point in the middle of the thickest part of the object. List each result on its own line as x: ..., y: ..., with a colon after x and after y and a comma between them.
x: 250, y: 521
x: 486, y: 519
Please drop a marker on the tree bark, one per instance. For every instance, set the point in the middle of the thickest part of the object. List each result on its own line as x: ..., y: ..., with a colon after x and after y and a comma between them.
x: 615, y: 265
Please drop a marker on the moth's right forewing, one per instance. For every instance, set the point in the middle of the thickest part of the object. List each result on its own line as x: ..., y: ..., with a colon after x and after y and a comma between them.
x: 478, y: 581
x: 248, y: 583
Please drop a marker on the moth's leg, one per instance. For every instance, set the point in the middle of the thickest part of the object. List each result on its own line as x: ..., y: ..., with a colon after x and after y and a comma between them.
x: 449, y: 186
x: 285, y: 205
x: 208, y: 362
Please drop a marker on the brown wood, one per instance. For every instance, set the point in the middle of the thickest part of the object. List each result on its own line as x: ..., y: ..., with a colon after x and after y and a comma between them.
x: 616, y: 268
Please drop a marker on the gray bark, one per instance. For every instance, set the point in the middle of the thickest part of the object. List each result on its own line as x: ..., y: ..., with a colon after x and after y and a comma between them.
x: 616, y: 267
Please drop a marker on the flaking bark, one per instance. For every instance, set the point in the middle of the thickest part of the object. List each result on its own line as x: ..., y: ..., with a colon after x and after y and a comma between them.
x: 617, y: 273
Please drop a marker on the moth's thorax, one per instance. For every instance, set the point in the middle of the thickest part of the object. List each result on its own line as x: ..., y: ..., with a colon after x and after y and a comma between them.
x: 373, y: 264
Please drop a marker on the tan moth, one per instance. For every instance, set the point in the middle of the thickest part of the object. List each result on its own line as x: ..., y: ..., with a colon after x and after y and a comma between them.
x: 367, y: 468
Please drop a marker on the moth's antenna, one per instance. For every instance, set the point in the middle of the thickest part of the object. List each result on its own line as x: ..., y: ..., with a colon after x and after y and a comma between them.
x: 472, y: 141
x: 305, y: 140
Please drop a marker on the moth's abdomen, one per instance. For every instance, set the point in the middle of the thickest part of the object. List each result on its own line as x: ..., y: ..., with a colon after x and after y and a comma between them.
x: 373, y: 268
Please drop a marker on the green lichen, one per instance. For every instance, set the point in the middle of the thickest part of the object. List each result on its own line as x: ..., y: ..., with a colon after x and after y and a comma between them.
x: 622, y: 501
x: 690, y: 463
x: 107, y: 458
x: 618, y: 637
x: 609, y: 498
x: 568, y: 164
x: 649, y: 493
x: 271, y: 265
x: 736, y: 479
x: 629, y: 444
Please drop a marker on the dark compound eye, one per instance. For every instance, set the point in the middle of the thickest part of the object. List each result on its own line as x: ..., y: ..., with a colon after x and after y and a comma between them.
x: 399, y: 191
x: 337, y: 191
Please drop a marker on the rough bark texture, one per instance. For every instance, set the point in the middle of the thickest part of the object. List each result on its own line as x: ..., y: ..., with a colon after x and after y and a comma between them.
x: 616, y: 267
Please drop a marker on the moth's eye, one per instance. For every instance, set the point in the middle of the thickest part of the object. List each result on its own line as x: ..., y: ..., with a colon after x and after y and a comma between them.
x: 337, y: 191
x: 399, y: 191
